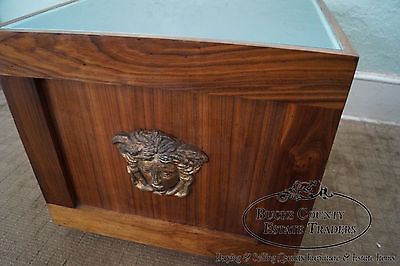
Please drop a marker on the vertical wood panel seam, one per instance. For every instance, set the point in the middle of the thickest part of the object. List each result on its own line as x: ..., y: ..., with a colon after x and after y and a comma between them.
x: 55, y: 136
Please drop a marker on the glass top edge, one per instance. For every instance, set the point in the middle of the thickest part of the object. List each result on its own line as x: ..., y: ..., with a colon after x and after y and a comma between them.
x: 183, y: 38
x: 329, y: 28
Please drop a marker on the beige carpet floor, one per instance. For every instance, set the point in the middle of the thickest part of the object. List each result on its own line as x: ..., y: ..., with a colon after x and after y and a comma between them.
x: 365, y: 163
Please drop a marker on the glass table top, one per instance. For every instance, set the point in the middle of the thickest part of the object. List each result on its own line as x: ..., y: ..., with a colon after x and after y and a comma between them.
x: 287, y: 22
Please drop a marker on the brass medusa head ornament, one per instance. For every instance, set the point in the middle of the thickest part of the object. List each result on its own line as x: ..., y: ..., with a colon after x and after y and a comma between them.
x: 158, y: 162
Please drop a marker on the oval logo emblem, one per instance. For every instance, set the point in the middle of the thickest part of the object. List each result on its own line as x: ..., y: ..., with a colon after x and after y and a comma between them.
x: 282, y: 219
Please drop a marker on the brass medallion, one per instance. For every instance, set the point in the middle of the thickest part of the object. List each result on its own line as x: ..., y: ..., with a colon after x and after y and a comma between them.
x: 158, y: 162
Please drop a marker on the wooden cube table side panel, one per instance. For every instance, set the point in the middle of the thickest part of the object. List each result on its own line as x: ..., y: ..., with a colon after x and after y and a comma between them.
x: 255, y: 147
x: 163, y: 234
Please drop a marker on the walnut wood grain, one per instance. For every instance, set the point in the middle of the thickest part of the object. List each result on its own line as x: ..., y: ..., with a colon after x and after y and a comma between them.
x: 34, y: 127
x: 255, y: 147
x: 283, y: 74
x: 158, y: 233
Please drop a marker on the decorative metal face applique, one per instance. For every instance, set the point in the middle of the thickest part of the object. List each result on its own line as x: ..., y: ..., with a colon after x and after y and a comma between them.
x: 158, y: 162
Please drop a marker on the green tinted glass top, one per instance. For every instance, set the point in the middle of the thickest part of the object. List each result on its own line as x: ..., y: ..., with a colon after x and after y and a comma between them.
x: 290, y: 22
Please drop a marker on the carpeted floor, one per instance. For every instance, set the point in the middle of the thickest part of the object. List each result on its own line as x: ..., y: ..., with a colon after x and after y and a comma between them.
x: 365, y: 163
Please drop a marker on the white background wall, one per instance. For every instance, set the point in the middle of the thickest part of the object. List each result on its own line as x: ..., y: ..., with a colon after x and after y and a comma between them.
x: 374, y: 100
x: 373, y: 28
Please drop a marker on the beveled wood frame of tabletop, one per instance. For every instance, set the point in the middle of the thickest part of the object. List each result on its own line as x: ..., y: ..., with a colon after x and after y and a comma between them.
x: 302, y: 91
